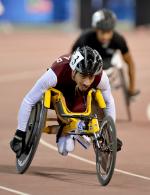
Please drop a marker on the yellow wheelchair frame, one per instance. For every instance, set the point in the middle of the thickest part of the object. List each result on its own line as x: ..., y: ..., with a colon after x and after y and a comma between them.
x: 71, y: 119
x: 99, y: 127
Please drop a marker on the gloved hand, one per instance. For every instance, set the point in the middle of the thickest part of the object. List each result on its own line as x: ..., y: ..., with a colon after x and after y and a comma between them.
x: 18, y: 142
x: 119, y: 144
x: 133, y: 93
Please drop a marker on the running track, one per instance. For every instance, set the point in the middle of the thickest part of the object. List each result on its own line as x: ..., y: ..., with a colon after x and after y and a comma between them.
x: 25, y: 55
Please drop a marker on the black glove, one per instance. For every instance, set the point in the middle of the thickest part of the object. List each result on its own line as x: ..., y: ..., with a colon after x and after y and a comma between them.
x: 18, y: 142
x: 135, y: 93
x: 119, y: 144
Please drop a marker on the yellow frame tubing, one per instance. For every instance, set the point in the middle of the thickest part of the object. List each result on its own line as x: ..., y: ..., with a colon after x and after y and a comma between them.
x: 58, y: 96
x: 99, y: 98
x: 47, y: 99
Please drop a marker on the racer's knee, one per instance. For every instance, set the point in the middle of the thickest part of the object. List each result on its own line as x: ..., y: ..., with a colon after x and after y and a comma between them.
x: 65, y: 144
x: 62, y: 146
x: 70, y: 144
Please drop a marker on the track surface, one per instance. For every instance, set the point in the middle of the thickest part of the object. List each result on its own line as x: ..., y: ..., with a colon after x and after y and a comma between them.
x: 24, y: 57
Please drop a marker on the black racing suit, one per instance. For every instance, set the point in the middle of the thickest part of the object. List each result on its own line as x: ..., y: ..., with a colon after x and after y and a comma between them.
x: 89, y: 38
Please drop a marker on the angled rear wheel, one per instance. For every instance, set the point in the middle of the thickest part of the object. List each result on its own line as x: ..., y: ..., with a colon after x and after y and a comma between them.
x: 33, y: 133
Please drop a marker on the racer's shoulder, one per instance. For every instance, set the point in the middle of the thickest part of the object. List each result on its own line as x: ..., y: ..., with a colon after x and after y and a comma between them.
x: 104, y: 81
x: 63, y: 59
x: 118, y: 37
x: 89, y: 33
x: 61, y: 63
x: 120, y: 42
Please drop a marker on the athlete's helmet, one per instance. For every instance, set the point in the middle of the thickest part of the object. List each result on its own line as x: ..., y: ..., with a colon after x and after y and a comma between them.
x: 104, y: 20
x: 86, y: 60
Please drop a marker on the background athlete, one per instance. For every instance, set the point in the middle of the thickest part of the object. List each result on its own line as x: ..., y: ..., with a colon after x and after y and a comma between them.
x: 74, y: 76
x: 107, y: 41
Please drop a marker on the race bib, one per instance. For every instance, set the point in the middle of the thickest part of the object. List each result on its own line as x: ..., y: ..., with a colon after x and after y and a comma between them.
x: 75, y: 59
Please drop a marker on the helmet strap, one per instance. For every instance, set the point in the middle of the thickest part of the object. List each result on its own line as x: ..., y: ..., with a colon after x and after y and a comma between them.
x: 73, y: 74
x: 77, y: 90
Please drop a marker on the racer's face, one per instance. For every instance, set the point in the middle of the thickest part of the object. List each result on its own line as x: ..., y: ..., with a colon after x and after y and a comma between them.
x: 104, y: 36
x: 83, y: 81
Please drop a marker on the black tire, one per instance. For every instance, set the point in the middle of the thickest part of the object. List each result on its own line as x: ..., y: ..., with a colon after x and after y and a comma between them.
x: 33, y: 133
x: 125, y: 94
x: 106, y: 154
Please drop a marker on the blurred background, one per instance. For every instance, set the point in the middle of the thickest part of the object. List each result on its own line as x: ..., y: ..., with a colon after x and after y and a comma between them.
x: 77, y: 13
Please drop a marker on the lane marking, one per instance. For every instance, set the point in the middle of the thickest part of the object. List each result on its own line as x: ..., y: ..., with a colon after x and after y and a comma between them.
x: 92, y: 162
x: 15, y: 77
x: 148, y: 111
x: 13, y: 191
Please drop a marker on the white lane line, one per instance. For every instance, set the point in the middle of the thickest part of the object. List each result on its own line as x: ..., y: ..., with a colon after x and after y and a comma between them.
x: 13, y: 191
x: 19, y: 76
x: 92, y: 162
x: 15, y: 77
x: 148, y: 112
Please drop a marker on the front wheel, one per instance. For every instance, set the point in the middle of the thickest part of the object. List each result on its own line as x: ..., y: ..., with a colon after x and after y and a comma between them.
x: 33, y: 133
x: 106, y: 154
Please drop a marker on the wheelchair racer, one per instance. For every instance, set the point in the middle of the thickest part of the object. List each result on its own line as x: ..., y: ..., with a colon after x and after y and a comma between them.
x: 74, y: 76
x: 111, y: 45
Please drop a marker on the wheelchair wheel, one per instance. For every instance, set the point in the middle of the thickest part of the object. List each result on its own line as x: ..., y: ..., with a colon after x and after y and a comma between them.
x: 106, y: 154
x: 125, y: 93
x: 33, y: 133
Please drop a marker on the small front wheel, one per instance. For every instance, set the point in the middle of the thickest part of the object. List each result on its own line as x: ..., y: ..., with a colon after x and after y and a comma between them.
x: 106, y: 154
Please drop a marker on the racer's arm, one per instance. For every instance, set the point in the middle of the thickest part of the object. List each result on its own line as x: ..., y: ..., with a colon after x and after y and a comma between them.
x: 131, y: 71
x: 47, y: 80
x: 104, y: 86
x: 126, y: 54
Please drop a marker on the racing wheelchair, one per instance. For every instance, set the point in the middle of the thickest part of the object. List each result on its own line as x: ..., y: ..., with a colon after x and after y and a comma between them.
x: 92, y: 123
x: 118, y: 81
x: 117, y: 75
